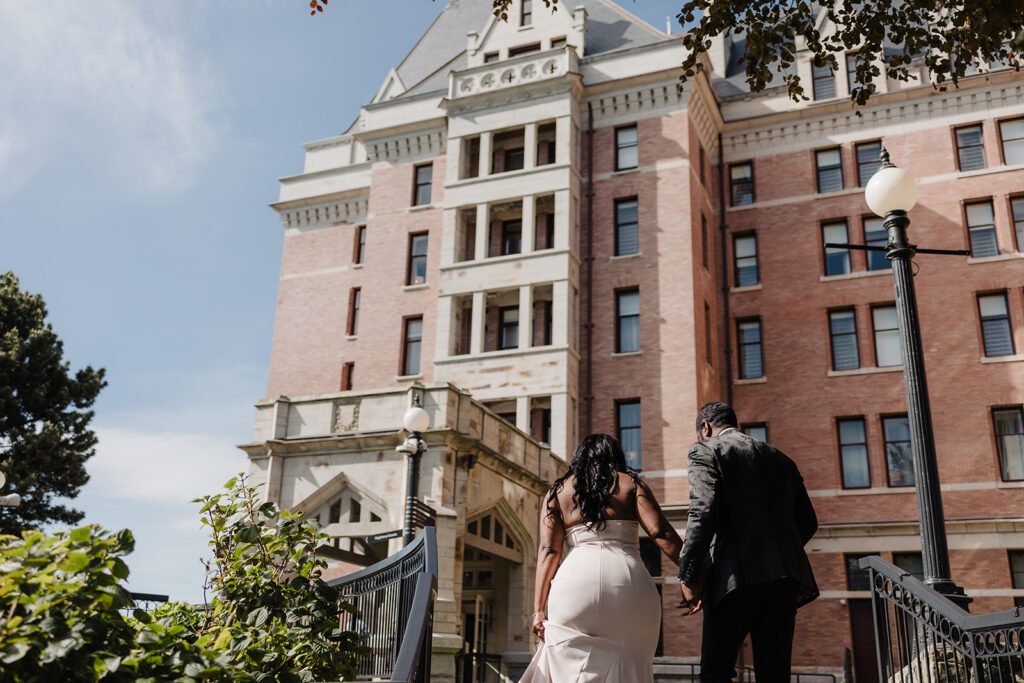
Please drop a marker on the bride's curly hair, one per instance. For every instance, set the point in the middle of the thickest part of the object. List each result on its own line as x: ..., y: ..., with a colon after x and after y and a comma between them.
x: 596, y: 463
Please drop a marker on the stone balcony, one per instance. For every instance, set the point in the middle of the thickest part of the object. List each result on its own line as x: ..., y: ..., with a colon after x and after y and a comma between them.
x: 535, y: 67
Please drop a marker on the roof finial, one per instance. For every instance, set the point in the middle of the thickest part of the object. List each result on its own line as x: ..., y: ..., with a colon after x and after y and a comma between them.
x: 883, y: 156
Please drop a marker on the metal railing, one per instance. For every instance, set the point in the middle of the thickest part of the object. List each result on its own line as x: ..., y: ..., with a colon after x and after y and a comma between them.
x: 393, y: 611
x: 475, y: 667
x: 921, y: 636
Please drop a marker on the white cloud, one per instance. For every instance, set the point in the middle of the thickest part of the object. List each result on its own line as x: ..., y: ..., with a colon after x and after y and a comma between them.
x: 119, y: 72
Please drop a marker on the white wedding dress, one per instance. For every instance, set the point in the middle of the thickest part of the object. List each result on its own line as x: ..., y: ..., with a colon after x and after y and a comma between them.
x: 604, y: 611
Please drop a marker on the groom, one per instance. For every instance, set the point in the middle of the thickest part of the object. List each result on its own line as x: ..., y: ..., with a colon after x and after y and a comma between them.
x: 743, y: 560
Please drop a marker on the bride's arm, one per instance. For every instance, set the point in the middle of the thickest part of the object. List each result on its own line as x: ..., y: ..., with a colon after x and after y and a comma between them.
x: 654, y: 522
x: 549, y: 554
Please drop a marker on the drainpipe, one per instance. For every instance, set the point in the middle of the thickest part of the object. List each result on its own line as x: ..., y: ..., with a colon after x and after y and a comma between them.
x: 588, y: 262
x: 723, y: 229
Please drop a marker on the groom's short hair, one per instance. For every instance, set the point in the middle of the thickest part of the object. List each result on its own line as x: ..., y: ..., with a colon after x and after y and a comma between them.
x: 717, y: 414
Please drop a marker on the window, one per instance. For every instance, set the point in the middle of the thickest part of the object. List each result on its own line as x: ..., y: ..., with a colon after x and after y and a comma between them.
x: 627, y: 228
x: 626, y: 148
x: 1017, y: 210
x: 704, y: 240
x: 360, y: 245
x: 627, y: 306
x: 511, y: 237
x: 842, y: 326
x: 857, y: 579
x: 515, y: 159
x: 508, y: 322
x: 875, y: 235
x: 347, y: 370
x: 853, y: 453
x: 628, y: 419
x: 851, y: 73
x: 970, y: 148
x: 523, y: 50
x: 413, y: 341
x: 417, y: 268
x: 756, y: 431
x: 352, y: 328
x: 896, y: 431
x: 526, y: 13
x: 424, y: 179
x: 830, y: 169
x: 995, y: 325
x: 490, y: 57
x: 1009, y: 425
x: 1012, y: 135
x: 1017, y: 574
x: 867, y: 161
x: 741, y: 183
x: 751, y: 355
x: 744, y: 248
x: 981, y: 229
x: 912, y: 563
x: 709, y: 349
x: 557, y: 42
x: 837, y: 260
x: 824, y: 82
x: 702, y: 164
x: 887, y: 336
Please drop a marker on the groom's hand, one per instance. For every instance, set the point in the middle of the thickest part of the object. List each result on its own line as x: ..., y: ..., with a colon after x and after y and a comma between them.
x: 690, y: 599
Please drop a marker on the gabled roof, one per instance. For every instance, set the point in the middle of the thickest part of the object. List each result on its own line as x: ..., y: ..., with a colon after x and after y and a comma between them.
x: 443, y: 46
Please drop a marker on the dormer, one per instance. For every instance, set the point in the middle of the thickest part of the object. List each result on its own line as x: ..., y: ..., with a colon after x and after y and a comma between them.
x: 531, y: 27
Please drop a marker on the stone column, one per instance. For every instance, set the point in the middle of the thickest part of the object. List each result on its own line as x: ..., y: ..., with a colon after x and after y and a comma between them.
x: 479, y: 311
x: 529, y: 223
x: 530, y: 146
x: 485, y: 153
x: 560, y: 313
x: 525, y: 316
x: 563, y: 218
x: 482, y: 232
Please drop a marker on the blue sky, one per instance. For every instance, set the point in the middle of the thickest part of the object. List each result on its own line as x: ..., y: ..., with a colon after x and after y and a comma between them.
x: 140, y: 144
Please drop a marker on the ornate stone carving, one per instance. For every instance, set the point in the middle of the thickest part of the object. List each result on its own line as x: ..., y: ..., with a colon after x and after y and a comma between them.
x: 346, y: 417
x: 510, y: 73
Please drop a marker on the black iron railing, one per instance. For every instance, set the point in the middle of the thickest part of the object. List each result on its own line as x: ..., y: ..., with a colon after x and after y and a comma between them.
x: 921, y: 636
x: 393, y: 603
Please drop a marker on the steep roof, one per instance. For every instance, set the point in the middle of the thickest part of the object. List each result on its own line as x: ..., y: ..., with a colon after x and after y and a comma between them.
x: 443, y: 46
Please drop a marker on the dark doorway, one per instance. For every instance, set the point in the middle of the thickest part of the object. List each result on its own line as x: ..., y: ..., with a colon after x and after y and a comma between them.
x: 865, y: 660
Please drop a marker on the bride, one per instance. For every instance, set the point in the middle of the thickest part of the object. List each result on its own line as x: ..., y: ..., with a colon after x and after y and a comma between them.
x: 598, y: 614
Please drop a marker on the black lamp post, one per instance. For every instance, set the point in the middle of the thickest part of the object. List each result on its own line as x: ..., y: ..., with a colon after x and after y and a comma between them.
x: 416, y: 421
x: 890, y: 194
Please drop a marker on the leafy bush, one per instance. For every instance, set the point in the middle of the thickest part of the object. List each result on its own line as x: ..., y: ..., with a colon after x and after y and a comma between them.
x: 269, y: 617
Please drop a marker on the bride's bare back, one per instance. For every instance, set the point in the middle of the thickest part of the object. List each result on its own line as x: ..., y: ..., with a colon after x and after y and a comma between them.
x: 622, y: 502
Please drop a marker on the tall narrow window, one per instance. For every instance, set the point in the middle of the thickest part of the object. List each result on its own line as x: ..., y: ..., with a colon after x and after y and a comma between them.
x: 627, y: 305
x: 508, y: 333
x: 511, y: 237
x: 843, y: 330
x: 875, y: 235
x: 824, y: 82
x: 851, y: 73
x: 981, y: 228
x: 970, y: 148
x: 628, y: 419
x: 354, y: 295
x: 627, y: 227
x: 709, y: 349
x: 702, y: 161
x: 1009, y: 424
x: 416, y: 272
x: 887, y: 336
x: 750, y: 351
x: 910, y: 562
x: 412, y: 343
x: 359, y: 249
x: 853, y: 453
x: 744, y: 249
x: 837, y: 259
x: 1012, y: 135
x: 626, y: 148
x: 868, y: 162
x: 704, y: 240
x: 830, y: 169
x: 347, y: 371
x: 896, y: 431
x: 757, y: 431
x: 526, y: 13
x: 996, y: 331
x: 1017, y: 208
x: 424, y: 180
x: 857, y: 579
x: 741, y: 183
x: 1017, y: 574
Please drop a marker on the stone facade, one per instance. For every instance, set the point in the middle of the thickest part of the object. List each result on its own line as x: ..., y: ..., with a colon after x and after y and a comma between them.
x: 516, y: 300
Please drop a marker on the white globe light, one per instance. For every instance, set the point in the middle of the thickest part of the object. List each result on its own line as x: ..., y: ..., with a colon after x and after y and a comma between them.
x: 416, y: 420
x: 3, y: 479
x: 891, y: 189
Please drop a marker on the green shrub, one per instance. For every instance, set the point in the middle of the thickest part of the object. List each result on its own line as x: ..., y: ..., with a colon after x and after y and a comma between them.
x: 269, y: 616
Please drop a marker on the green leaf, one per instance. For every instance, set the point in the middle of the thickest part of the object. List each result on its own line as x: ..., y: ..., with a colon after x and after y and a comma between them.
x: 12, y: 652
x: 74, y: 563
x: 80, y: 535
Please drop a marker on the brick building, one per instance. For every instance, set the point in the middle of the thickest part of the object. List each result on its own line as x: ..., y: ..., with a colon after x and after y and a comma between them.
x: 534, y: 214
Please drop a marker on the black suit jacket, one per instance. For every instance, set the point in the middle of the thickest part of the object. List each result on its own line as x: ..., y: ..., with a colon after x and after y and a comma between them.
x: 750, y: 517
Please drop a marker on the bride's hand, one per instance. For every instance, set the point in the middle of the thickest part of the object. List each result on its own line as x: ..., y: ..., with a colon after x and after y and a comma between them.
x: 538, y: 624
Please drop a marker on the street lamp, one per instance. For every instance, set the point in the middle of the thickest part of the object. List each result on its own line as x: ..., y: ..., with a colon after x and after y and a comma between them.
x: 416, y: 421
x: 12, y: 500
x: 891, y: 194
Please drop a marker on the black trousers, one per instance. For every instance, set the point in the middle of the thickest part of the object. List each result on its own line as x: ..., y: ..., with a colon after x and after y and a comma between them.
x: 767, y: 612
